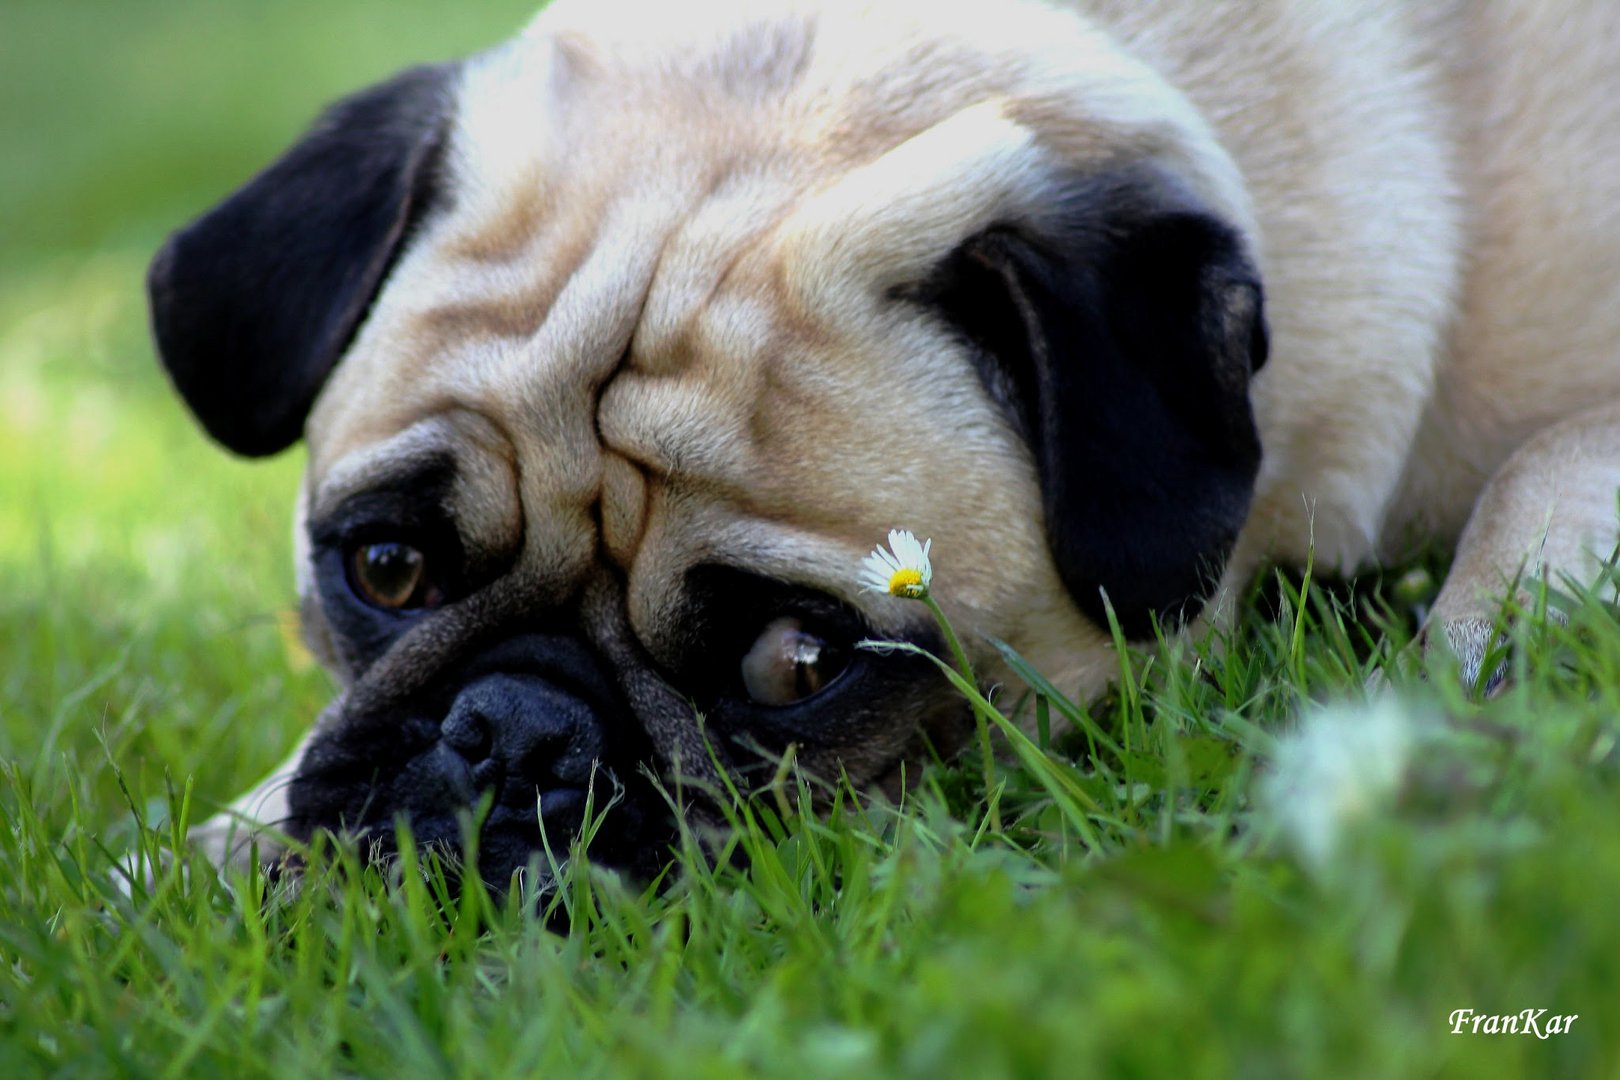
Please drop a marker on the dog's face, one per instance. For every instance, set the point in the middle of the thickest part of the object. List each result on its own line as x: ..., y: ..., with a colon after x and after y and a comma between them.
x: 615, y: 349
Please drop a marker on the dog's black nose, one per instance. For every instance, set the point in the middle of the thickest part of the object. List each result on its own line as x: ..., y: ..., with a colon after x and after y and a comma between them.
x: 534, y: 723
x: 520, y: 736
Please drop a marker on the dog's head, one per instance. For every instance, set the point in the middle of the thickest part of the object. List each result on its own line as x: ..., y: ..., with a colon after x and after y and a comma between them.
x: 617, y: 347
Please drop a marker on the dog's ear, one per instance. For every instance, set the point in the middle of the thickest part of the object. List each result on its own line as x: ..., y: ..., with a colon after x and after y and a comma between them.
x: 1120, y: 333
x: 254, y: 302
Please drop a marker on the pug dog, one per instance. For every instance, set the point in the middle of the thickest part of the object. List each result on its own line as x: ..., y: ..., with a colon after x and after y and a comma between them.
x: 616, y: 347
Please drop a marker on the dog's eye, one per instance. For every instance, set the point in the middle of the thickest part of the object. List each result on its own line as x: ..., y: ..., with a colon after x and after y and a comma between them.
x: 392, y: 576
x: 788, y: 663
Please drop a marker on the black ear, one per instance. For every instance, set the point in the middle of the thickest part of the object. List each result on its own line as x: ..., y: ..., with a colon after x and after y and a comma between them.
x: 254, y: 302
x: 1120, y: 334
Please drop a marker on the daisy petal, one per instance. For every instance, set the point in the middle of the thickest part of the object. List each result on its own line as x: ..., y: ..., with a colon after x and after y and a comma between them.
x: 902, y: 569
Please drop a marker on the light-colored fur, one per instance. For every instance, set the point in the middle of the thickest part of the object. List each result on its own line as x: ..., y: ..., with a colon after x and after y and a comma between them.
x: 660, y: 288
x: 643, y: 209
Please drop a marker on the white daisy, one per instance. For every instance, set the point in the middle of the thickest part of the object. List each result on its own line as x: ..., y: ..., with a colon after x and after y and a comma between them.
x: 902, y: 569
x: 1344, y: 764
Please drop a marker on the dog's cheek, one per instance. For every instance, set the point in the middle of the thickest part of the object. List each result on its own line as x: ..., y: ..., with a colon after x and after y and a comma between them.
x: 316, y: 632
x: 677, y: 739
x: 935, y: 723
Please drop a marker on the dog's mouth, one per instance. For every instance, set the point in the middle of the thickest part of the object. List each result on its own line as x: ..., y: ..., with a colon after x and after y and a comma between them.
x: 520, y: 753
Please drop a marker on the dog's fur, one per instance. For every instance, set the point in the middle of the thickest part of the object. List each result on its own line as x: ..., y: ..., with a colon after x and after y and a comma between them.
x: 663, y: 304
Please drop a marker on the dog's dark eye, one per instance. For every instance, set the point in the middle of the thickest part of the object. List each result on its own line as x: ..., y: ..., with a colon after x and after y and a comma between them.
x: 393, y: 576
x: 788, y: 663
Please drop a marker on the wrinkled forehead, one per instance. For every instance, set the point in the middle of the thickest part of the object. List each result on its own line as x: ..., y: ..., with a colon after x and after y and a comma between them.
x: 662, y: 259
x: 603, y: 177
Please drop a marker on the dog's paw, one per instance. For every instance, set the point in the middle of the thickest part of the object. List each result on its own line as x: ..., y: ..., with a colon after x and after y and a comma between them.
x: 1474, y: 642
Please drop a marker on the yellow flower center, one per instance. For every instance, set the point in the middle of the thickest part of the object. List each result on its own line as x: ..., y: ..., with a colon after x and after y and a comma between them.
x: 906, y: 582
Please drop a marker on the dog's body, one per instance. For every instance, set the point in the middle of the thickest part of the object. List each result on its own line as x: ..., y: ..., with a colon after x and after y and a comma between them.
x: 652, y: 322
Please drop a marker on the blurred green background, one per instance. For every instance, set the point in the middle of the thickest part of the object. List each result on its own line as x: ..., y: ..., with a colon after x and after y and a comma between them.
x: 126, y: 538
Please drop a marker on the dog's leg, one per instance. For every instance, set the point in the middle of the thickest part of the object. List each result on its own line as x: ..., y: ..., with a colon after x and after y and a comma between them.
x: 1549, y: 512
x: 254, y: 821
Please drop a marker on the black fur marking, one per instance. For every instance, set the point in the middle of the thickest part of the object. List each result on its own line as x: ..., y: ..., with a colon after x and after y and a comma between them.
x: 1121, y: 336
x: 254, y: 302
x: 412, y: 507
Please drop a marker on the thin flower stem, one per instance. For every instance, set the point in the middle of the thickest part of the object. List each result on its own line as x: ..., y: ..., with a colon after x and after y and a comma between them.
x: 982, y: 720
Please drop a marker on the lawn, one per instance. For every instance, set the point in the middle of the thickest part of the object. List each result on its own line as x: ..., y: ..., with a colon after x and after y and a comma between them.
x: 1244, y: 862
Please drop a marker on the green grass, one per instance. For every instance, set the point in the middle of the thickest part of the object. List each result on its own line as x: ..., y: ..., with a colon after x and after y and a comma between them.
x: 1145, y: 909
